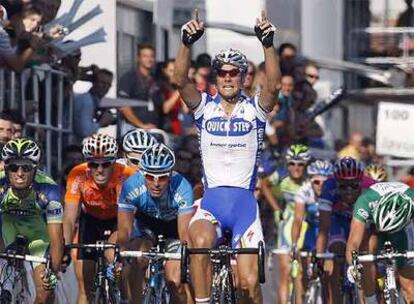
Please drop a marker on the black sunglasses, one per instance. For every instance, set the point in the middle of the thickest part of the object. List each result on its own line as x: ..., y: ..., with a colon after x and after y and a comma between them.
x: 95, y: 165
x: 353, y: 186
x: 232, y: 73
x: 15, y: 167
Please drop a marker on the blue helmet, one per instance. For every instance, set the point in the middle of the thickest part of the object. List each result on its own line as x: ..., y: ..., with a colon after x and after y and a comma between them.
x: 157, y: 159
x: 320, y: 167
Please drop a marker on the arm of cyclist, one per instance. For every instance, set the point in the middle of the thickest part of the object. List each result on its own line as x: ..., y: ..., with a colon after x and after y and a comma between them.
x: 69, y: 220
x: 356, y: 235
x: 55, y: 231
x: 125, y: 224
x: 297, y: 221
x: 183, y: 222
x: 190, y: 33
x: 324, y: 227
x: 265, y: 32
x: 267, y: 193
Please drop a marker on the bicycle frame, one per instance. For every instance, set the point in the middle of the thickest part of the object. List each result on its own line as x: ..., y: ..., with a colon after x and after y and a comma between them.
x: 222, y: 285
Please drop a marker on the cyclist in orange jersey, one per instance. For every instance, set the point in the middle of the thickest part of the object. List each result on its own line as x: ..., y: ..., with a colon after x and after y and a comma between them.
x: 91, y: 196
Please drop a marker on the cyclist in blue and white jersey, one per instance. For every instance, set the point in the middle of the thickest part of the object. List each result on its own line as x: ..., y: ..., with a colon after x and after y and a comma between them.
x: 231, y: 129
x: 134, y: 143
x: 307, y: 208
x: 161, y: 202
x: 339, y: 194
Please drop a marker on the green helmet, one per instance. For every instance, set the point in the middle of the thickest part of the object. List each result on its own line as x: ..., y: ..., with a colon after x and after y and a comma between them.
x: 393, y: 212
x: 298, y: 152
x: 21, y: 148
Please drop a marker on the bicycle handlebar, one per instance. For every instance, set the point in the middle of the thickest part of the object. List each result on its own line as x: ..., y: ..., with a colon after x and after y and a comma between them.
x: 385, y: 256
x: 25, y: 257
x: 97, y: 246
x: 223, y: 251
x: 306, y: 254
x: 150, y: 255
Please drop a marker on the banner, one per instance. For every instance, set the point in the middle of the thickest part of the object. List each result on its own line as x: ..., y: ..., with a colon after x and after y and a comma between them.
x: 395, y: 134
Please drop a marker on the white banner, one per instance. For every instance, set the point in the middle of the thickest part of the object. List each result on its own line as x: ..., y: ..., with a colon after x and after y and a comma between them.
x: 395, y: 134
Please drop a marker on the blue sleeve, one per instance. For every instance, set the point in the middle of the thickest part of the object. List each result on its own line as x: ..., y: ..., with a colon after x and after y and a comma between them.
x: 184, y: 196
x: 328, y: 195
x: 54, y: 197
x: 83, y: 120
x: 129, y: 196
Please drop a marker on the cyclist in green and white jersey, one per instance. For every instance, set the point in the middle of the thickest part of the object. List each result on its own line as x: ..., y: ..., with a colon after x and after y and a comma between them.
x: 31, y: 206
x: 390, y: 206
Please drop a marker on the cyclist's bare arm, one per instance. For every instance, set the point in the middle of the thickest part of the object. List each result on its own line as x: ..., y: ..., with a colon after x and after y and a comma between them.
x: 187, y: 89
x: 55, y: 231
x: 324, y: 227
x: 183, y: 222
x: 125, y: 224
x: 267, y: 193
x: 356, y: 235
x: 270, y: 91
x: 297, y: 221
x: 71, y: 214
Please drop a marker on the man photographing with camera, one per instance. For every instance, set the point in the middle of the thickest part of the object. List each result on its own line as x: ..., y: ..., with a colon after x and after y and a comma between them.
x: 89, y: 117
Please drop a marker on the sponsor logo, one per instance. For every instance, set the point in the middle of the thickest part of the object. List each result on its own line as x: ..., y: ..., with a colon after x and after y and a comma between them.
x: 223, y: 127
x: 55, y: 212
x: 250, y: 235
x: 363, y: 213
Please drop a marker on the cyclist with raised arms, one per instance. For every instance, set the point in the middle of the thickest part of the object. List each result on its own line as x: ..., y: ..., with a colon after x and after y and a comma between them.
x: 307, y: 208
x: 231, y: 128
x: 161, y: 201
x: 134, y: 143
x: 31, y: 207
x: 339, y: 194
x: 283, y: 191
x: 91, y: 196
x: 390, y: 206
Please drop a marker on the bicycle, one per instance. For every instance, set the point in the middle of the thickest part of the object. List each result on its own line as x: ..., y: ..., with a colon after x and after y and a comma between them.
x: 105, y: 289
x: 156, y: 290
x: 14, y: 286
x: 222, y: 287
x: 388, y: 256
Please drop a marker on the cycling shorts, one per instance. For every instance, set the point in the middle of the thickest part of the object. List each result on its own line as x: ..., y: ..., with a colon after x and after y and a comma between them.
x: 284, y: 232
x: 233, y: 209
x: 34, y: 229
x: 149, y: 227
x: 339, y: 231
x: 401, y: 241
x: 92, y: 229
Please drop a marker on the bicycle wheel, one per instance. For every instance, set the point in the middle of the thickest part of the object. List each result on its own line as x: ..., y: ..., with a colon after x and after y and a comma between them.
x: 100, y: 296
x: 114, y: 294
x: 392, y: 298
x: 229, y: 291
x: 149, y: 296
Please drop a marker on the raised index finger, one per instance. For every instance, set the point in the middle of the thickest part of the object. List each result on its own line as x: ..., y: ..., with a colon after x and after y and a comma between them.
x: 264, y: 17
x: 196, y: 15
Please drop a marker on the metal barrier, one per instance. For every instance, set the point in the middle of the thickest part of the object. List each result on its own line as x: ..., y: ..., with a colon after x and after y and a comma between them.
x: 38, y: 94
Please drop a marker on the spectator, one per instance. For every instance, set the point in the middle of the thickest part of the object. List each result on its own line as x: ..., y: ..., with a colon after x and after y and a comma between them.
x: 51, y: 8
x: 281, y: 120
x: 138, y: 83
x: 287, y: 58
x: 312, y: 74
x: 260, y: 77
x: 6, y: 127
x: 87, y: 119
x: 368, y: 153
x: 353, y: 149
x: 248, y: 85
x: 202, y: 78
x: 23, y: 22
x: 173, y: 103
x: 406, y: 18
x: 18, y: 123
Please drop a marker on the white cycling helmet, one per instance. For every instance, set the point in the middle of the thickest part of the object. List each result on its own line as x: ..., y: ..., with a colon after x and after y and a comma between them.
x: 100, y: 146
x: 137, y: 141
x: 232, y: 57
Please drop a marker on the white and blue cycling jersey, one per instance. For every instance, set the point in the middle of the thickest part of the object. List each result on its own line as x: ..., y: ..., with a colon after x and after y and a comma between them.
x: 177, y: 199
x: 306, y: 196
x: 230, y: 146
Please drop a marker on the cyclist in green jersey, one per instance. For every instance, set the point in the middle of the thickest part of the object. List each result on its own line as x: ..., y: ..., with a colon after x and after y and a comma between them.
x: 31, y: 207
x: 283, y: 191
x: 390, y: 206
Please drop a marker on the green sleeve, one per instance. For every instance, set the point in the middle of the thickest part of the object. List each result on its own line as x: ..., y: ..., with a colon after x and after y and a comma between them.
x: 362, y: 210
